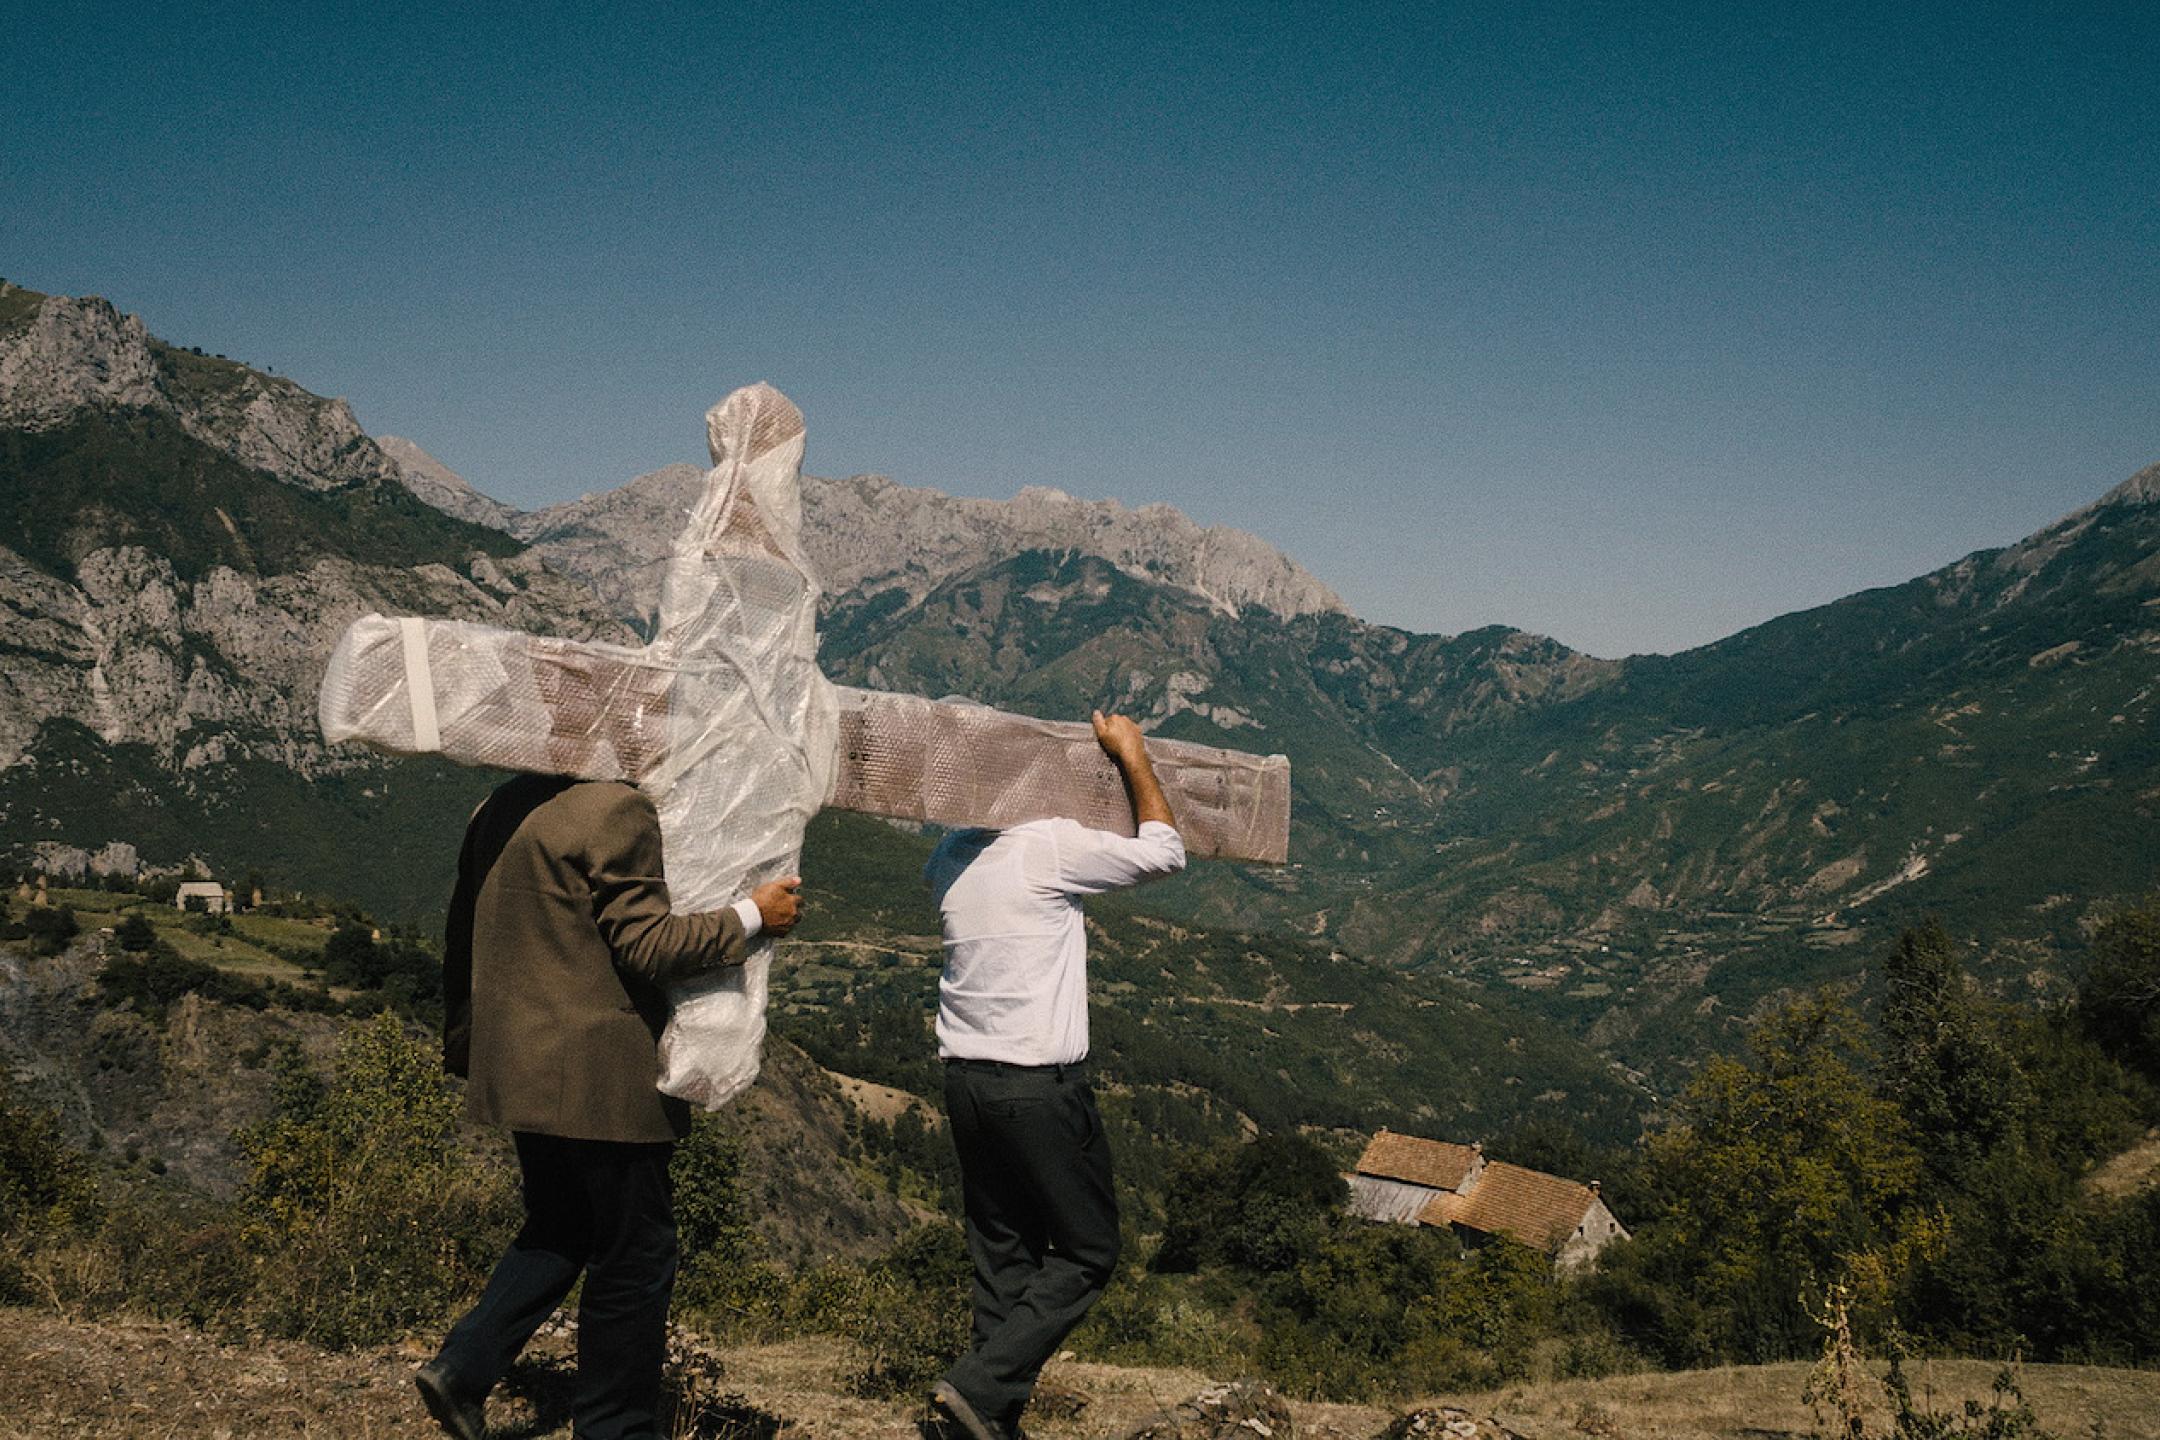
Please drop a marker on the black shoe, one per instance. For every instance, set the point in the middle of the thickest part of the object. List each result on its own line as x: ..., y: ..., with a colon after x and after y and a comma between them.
x: 462, y: 1418
x: 954, y: 1406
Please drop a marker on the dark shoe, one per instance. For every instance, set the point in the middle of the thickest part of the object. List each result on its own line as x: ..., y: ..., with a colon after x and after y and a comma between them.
x: 458, y: 1416
x: 951, y: 1405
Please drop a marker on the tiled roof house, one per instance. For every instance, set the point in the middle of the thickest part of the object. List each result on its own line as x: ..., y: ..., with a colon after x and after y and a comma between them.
x: 1412, y: 1181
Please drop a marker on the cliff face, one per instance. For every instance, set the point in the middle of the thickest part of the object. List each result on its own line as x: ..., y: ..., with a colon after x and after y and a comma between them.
x: 60, y: 355
x: 161, y: 588
x: 869, y: 535
x: 226, y: 666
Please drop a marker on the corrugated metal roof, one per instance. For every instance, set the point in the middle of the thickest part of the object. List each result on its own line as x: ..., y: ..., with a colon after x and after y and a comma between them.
x: 1420, y: 1162
x: 1375, y: 1198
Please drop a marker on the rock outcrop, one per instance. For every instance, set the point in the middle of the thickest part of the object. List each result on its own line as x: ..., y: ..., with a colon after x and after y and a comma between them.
x: 1452, y: 1422
x: 60, y: 355
x: 1240, y: 1410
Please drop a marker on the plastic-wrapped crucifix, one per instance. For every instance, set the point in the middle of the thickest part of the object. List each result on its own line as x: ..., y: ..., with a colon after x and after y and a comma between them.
x: 727, y: 722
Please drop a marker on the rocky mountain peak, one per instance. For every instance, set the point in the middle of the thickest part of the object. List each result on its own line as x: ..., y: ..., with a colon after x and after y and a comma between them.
x: 60, y: 355
x: 443, y: 487
x: 868, y: 534
x: 2142, y: 488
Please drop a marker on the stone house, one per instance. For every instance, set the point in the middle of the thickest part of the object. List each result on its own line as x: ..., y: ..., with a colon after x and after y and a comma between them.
x: 1412, y: 1181
x: 215, y: 898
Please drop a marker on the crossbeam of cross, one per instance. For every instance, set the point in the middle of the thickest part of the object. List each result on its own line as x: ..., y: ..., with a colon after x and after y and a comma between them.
x: 727, y: 722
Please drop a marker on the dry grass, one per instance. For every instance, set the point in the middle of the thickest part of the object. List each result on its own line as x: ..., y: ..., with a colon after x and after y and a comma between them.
x: 880, y: 1102
x: 1762, y: 1401
x: 2136, y: 1169
x: 136, y: 1381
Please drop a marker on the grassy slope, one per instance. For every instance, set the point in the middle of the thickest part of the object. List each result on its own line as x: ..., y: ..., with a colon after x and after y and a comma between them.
x: 257, y: 948
x: 384, y: 838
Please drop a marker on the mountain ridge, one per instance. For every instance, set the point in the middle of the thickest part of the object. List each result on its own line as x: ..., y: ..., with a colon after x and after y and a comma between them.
x: 1644, y: 849
x: 870, y: 534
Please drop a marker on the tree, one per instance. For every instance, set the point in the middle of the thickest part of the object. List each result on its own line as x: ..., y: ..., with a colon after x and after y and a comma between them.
x: 135, y: 934
x: 50, y: 928
x: 1259, y: 1205
x: 2119, y: 1003
x: 2010, y: 1110
x: 1787, y: 1172
x: 1944, y: 1063
x: 349, y: 956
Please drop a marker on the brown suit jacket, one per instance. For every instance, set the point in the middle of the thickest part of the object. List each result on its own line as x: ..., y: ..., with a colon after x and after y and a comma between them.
x: 560, y: 945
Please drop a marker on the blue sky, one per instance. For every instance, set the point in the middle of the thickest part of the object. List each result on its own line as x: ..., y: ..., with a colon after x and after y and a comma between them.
x: 1630, y: 324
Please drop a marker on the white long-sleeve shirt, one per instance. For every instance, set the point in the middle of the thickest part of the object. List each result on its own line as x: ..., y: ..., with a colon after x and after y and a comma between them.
x: 1015, y: 981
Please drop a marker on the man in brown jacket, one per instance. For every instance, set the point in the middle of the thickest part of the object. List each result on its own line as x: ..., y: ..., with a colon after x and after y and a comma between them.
x: 560, y: 945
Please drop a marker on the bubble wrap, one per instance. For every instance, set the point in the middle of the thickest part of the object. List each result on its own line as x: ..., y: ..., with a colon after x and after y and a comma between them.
x: 724, y: 719
x: 727, y: 723
x: 958, y: 763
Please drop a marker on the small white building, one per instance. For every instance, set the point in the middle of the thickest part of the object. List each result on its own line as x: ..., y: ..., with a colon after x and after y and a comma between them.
x: 215, y: 898
x: 1413, y: 1181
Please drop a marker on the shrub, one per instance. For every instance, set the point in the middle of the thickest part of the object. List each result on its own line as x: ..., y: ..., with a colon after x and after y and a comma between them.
x: 1337, y: 1325
x: 45, y: 1185
x: 365, y: 1218
x: 1164, y: 1320
x: 719, y: 1245
x: 912, y: 1315
x: 50, y: 927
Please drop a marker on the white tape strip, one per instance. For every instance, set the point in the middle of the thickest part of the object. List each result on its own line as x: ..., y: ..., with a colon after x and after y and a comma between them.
x: 420, y: 684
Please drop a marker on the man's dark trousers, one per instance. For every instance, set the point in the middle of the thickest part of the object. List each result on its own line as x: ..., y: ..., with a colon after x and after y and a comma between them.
x: 1042, y: 1225
x: 605, y: 1208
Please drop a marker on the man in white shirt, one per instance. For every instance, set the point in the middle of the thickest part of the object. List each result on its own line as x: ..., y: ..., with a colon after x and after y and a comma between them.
x: 1012, y: 1028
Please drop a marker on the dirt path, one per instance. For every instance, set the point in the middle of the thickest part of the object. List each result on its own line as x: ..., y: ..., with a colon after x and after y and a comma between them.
x: 121, y: 1380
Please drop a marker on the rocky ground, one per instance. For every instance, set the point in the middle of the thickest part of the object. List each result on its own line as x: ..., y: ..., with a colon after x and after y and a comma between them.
x: 106, y: 1381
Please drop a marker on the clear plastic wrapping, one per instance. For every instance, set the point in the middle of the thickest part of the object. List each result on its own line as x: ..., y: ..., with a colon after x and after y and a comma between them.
x: 726, y: 721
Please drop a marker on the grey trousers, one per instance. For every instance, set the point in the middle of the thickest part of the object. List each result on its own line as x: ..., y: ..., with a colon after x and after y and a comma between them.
x: 1042, y: 1224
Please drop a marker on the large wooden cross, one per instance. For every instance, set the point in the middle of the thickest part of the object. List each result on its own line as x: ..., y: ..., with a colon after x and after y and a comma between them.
x: 727, y: 722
